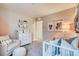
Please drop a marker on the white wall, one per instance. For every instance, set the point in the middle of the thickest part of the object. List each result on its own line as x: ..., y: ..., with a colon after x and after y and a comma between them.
x: 66, y: 15
x: 13, y: 17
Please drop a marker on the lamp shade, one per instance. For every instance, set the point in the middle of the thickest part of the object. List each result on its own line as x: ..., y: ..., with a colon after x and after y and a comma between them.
x: 4, y: 28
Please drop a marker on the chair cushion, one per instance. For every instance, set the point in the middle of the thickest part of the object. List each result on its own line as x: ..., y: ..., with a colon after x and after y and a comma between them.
x: 5, y: 40
x: 9, y: 41
x: 13, y: 45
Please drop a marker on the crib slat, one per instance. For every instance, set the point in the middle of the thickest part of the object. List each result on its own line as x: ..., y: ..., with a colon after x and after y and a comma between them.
x: 57, y: 51
x: 67, y: 51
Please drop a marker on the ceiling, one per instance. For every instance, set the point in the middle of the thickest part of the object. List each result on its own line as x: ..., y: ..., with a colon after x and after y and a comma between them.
x: 37, y: 9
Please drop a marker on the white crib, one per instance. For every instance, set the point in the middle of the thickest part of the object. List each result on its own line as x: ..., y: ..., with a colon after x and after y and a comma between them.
x: 48, y: 47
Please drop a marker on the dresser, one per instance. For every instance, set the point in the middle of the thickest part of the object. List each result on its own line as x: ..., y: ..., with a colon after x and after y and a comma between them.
x: 24, y: 33
x: 25, y: 37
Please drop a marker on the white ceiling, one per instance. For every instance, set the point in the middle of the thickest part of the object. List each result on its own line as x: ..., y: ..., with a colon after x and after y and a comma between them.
x: 37, y: 9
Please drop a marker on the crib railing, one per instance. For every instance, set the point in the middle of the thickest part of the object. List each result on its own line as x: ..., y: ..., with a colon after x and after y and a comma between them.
x: 56, y: 50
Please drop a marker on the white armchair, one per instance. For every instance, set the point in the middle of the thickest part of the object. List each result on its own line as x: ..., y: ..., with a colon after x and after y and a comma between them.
x: 7, y: 45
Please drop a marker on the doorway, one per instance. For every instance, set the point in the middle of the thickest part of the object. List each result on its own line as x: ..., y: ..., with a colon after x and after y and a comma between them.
x: 38, y: 30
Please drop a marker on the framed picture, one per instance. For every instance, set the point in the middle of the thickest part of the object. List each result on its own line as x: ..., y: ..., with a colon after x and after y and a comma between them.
x: 50, y: 26
x: 58, y: 25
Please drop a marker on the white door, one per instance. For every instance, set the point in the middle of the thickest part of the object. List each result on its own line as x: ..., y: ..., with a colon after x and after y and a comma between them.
x: 39, y: 32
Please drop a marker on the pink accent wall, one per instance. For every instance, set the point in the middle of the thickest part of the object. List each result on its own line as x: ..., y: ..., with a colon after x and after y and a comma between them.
x: 4, y: 28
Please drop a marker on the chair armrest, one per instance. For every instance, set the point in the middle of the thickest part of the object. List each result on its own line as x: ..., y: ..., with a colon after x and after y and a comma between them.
x: 18, y: 41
